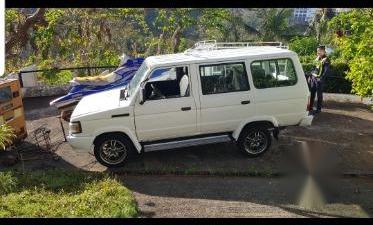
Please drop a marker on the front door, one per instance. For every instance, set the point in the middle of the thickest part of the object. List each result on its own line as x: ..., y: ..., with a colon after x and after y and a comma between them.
x: 169, y: 110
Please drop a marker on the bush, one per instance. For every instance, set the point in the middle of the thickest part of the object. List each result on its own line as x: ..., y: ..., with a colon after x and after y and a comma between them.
x: 8, y: 183
x: 304, y: 46
x: 336, y: 82
x: 54, y: 76
x: 355, y: 47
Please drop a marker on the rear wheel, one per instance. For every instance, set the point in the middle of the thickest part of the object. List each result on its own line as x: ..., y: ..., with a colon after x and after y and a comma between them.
x: 113, y: 150
x: 254, y: 141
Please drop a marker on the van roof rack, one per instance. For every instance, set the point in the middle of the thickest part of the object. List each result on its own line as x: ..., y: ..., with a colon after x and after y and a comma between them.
x: 209, y: 45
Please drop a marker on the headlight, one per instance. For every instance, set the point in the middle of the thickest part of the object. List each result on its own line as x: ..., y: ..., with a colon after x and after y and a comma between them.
x: 75, y: 127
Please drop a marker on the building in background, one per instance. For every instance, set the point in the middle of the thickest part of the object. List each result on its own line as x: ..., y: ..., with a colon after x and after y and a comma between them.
x: 340, y: 10
x: 303, y: 15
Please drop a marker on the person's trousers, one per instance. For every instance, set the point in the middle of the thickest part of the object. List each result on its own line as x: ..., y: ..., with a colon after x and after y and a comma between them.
x: 316, y: 88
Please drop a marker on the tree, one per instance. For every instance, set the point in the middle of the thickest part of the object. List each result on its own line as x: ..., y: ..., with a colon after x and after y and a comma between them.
x: 356, y: 47
x: 83, y: 37
x: 20, y: 35
x: 171, y: 23
x: 318, y: 25
x: 274, y: 24
x: 212, y: 23
x: 236, y: 29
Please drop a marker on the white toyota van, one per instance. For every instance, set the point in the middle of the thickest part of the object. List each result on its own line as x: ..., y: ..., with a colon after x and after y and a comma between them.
x: 212, y: 93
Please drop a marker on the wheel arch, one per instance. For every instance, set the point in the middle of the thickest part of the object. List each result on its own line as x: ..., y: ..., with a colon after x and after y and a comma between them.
x: 269, y: 122
x: 135, y: 143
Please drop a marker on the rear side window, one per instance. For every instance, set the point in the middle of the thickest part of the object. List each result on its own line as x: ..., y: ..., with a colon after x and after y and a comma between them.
x: 273, y: 73
x: 223, y: 78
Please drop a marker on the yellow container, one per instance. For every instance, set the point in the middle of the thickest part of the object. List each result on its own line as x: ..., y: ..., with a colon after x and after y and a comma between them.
x: 11, y: 107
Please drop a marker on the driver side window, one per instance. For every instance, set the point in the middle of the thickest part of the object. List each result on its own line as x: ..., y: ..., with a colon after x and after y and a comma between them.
x: 172, y: 82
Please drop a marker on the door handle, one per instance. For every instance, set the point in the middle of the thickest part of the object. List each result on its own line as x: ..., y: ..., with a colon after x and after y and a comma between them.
x: 245, y: 102
x: 186, y: 108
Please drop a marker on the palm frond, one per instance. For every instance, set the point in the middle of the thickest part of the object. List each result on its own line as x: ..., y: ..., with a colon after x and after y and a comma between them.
x: 6, y: 135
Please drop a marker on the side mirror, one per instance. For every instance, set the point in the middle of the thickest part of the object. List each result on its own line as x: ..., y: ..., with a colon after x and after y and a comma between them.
x: 142, y: 93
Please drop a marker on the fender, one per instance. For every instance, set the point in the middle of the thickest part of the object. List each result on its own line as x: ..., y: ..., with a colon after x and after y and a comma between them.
x: 237, y: 132
x: 120, y: 129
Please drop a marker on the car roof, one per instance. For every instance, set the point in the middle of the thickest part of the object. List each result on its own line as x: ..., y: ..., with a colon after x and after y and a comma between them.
x: 199, y: 56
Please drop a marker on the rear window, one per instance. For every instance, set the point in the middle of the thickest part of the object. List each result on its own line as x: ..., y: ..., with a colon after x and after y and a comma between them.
x: 273, y: 73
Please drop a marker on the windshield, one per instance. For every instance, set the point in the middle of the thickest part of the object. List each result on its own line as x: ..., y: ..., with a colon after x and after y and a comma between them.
x: 136, y: 79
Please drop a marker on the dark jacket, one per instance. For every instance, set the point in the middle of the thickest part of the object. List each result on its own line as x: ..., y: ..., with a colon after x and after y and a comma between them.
x: 322, y: 67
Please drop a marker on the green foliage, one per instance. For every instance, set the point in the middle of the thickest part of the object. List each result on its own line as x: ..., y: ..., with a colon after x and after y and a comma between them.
x: 8, y: 183
x: 58, y: 193
x: 275, y: 23
x: 361, y: 75
x: 11, y: 15
x: 304, y: 46
x: 6, y: 135
x: 96, y: 37
x: 108, y: 58
x: 54, y: 76
x: 356, y: 48
x: 336, y: 82
x: 212, y: 22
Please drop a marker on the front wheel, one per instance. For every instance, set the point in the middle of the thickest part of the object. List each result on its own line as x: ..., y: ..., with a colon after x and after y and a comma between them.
x: 254, y: 141
x: 112, y: 150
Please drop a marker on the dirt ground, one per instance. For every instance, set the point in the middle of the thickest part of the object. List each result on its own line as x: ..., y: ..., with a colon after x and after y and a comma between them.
x: 339, y: 142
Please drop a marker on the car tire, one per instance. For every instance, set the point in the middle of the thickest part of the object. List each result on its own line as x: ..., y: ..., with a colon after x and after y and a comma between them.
x: 113, y: 150
x: 254, y: 141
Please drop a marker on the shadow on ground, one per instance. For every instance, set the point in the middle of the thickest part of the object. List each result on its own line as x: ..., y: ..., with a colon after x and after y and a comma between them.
x: 200, y: 196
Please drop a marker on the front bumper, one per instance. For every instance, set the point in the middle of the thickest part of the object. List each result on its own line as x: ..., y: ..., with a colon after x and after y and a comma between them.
x: 81, y: 144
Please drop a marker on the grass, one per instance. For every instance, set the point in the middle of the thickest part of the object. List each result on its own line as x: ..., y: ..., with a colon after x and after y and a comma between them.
x: 370, y: 107
x: 57, y: 193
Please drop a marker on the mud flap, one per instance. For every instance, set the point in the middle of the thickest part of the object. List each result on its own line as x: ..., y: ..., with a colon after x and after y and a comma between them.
x: 276, y: 131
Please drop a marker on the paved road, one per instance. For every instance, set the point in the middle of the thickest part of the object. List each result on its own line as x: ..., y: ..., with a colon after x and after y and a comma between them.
x: 199, y: 196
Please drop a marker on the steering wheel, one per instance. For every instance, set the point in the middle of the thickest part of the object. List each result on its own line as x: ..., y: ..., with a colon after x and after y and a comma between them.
x: 156, y: 93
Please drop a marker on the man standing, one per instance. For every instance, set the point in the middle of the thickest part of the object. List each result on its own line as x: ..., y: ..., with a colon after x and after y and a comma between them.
x: 318, y: 78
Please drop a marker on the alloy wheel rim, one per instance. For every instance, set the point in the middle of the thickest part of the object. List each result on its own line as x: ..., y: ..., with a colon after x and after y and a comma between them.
x: 113, y: 151
x: 255, y: 142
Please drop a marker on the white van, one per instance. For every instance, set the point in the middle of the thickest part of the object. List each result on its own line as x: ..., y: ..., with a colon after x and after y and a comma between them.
x: 204, y: 95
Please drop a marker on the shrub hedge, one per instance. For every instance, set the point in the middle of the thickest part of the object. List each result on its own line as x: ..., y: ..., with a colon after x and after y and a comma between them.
x: 336, y: 81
